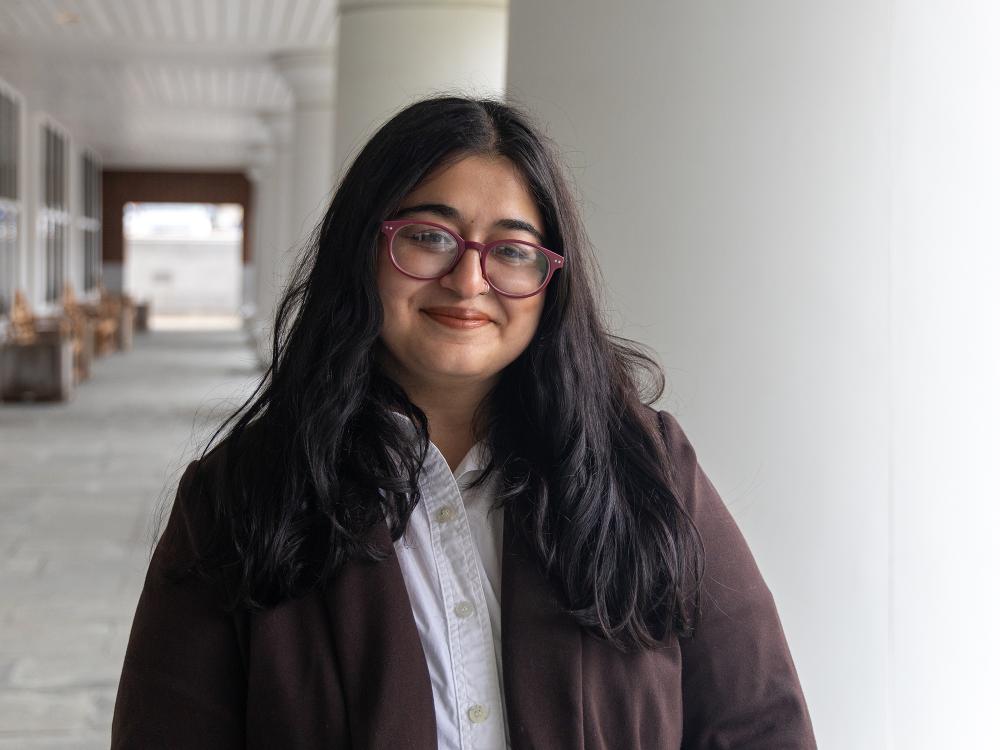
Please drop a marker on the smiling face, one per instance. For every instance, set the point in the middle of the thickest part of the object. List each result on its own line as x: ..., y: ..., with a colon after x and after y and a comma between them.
x: 481, y: 199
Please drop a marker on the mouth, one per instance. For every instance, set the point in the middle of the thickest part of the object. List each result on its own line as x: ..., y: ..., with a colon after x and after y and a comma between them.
x: 457, y: 317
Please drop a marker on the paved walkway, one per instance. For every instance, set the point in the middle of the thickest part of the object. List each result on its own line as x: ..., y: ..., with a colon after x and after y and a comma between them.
x: 79, y: 484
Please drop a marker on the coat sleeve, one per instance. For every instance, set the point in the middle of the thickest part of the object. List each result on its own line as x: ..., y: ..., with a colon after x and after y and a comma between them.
x: 182, y: 683
x: 740, y: 687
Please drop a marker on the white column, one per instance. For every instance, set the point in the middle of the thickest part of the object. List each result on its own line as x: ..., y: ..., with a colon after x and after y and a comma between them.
x: 260, y: 229
x: 391, y: 53
x: 311, y: 77
x: 32, y: 281
x: 74, y: 196
x: 262, y: 174
x: 27, y: 168
x: 944, y: 306
x: 280, y: 127
x: 274, y: 184
x: 794, y: 204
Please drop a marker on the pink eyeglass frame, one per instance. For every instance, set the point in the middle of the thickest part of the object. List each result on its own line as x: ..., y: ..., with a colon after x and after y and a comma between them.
x: 389, y: 229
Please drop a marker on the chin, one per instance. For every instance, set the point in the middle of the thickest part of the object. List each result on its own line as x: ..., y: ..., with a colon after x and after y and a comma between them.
x: 464, y: 371
x: 443, y: 363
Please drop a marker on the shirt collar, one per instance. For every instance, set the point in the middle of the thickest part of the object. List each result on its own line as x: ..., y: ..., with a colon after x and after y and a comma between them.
x: 475, y: 460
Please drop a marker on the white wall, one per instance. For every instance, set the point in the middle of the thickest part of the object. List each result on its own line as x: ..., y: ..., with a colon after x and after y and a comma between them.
x: 74, y: 193
x: 39, y: 101
x: 945, y: 308
x: 34, y: 280
x: 801, y: 228
x: 21, y: 241
x: 390, y: 54
x: 185, y: 277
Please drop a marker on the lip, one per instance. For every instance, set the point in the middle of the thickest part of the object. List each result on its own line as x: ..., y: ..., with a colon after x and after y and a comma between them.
x: 457, y: 317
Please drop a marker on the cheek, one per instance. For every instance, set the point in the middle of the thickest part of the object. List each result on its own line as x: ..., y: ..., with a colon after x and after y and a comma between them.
x: 390, y: 288
x: 383, y: 278
x: 523, y: 318
x: 399, y: 296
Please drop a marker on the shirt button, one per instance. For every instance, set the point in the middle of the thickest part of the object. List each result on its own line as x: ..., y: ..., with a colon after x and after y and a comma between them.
x: 478, y: 713
x: 464, y: 609
x: 445, y: 514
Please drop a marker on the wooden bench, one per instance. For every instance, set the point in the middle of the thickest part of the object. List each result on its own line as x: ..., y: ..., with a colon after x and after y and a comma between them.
x: 37, y: 359
x: 142, y: 316
x: 83, y: 332
x: 102, y: 317
x: 123, y: 307
x: 113, y: 317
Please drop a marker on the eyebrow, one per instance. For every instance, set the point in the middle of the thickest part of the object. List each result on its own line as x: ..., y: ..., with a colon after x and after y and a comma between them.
x: 450, y: 212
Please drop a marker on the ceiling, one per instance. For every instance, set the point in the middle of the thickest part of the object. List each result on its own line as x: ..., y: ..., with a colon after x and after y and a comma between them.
x: 160, y: 83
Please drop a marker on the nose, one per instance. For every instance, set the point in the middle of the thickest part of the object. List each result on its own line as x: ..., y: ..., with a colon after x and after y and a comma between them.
x: 466, y: 278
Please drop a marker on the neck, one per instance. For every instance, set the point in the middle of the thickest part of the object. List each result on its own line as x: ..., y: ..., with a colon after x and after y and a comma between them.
x: 450, y: 410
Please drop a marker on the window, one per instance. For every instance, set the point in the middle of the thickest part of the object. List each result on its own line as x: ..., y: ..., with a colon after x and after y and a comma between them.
x: 54, y: 216
x: 10, y: 199
x: 90, y: 222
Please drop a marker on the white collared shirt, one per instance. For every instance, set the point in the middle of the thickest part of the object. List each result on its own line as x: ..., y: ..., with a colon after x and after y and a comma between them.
x: 450, y: 557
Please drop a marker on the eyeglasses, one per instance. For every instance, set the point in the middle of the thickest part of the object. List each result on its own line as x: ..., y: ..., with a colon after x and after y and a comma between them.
x: 424, y: 250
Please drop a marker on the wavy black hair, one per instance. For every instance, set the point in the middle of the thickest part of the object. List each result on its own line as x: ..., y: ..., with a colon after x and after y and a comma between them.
x: 584, y: 476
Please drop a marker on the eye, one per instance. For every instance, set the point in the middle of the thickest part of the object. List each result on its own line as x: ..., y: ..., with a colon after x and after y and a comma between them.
x: 515, y: 254
x: 422, y: 238
x: 429, y: 237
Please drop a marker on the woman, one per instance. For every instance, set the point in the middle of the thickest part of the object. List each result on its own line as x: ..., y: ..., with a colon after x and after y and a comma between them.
x: 447, y: 517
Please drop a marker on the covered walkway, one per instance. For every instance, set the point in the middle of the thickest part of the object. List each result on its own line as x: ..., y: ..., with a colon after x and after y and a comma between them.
x: 80, y: 484
x: 792, y: 205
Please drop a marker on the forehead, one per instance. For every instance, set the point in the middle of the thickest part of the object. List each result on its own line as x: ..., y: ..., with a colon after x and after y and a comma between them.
x: 479, y: 186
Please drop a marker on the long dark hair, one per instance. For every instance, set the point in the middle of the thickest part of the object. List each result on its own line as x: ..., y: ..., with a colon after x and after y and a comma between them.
x: 584, y: 476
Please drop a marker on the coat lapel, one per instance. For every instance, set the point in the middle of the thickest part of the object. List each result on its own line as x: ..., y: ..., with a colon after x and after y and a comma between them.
x: 384, y: 673
x: 541, y: 655
x: 381, y: 660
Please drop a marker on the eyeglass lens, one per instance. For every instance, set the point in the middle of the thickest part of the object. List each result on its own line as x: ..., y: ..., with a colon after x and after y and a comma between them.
x: 426, y: 251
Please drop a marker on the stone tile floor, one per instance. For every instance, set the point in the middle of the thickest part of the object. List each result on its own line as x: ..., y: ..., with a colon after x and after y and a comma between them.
x: 81, y: 484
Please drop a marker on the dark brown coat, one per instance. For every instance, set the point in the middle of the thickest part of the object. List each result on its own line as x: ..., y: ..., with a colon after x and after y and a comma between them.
x: 343, y: 667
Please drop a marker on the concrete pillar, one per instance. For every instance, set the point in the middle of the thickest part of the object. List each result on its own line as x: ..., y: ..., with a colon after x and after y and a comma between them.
x: 260, y: 229
x: 944, y: 308
x: 280, y: 127
x: 792, y: 204
x: 311, y: 77
x: 74, y: 245
x: 273, y: 182
x: 391, y: 53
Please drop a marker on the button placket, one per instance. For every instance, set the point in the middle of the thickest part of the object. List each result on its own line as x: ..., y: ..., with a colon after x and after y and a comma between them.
x: 471, y: 637
x: 444, y: 569
x: 446, y: 535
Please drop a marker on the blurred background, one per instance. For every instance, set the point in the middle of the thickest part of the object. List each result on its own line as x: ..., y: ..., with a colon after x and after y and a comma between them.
x: 794, y: 204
